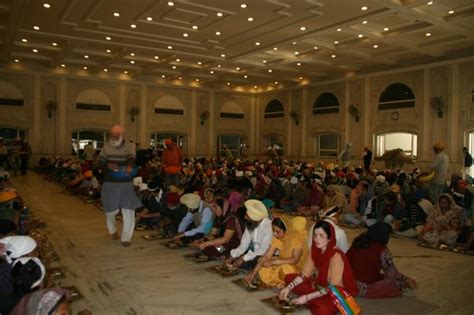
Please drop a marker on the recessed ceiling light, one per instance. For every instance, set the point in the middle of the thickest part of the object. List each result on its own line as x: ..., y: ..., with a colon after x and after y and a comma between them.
x: 218, y: 66
x: 126, y: 72
x: 336, y: 42
x: 429, y: 3
x: 132, y: 62
x: 211, y: 72
x: 302, y: 28
x: 364, y: 22
x: 54, y: 44
x: 270, y: 70
x: 364, y: 8
x: 63, y: 65
x: 149, y: 19
x: 108, y: 38
x: 255, y: 87
x: 35, y: 50
x: 275, y: 48
x: 333, y: 56
x: 199, y: 63
x: 16, y: 60
x: 219, y: 14
x: 257, y: 43
x: 376, y: 46
x: 185, y: 34
x: 105, y: 69
x: 24, y: 40
x: 297, y: 53
x: 163, y: 76
x: 339, y: 29
x: 238, y: 68
x: 47, y: 5
x: 156, y: 57
x: 178, y: 60
x: 223, y: 55
x: 451, y: 12
x: 294, y: 43
x: 228, y: 83
x: 246, y: 76
x: 264, y: 61
x: 360, y: 35
x: 243, y: 5
x: 218, y: 33
x: 180, y: 78
x: 315, y: 47
x: 109, y: 51
x: 116, y: 14
x: 36, y: 28
x: 195, y: 27
x: 132, y: 54
x: 428, y: 34
x: 174, y: 67
x: 300, y: 78
x: 250, y: 19
x: 386, y: 29
x: 133, y: 25
x: 170, y: 3
x: 197, y: 80
x: 276, y: 82
x: 298, y: 64
x: 85, y: 67
x: 86, y: 56
x: 170, y: 47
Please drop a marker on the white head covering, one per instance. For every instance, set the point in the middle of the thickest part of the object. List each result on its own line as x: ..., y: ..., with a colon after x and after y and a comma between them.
x: 137, y: 181
x: 191, y: 201
x: 256, y: 210
x: 25, y: 260
x: 294, y: 180
x: 17, y: 246
x: 239, y: 174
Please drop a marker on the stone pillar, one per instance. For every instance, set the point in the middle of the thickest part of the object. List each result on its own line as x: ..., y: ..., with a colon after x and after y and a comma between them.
x: 454, y: 148
x: 255, y: 132
x: 304, y: 125
x: 63, y: 141
x: 142, y: 136
x: 367, y: 112
x: 35, y: 136
x: 347, y: 117
x: 212, y: 120
x: 122, y: 100
x: 192, y: 136
x: 426, y: 142
x: 289, y: 135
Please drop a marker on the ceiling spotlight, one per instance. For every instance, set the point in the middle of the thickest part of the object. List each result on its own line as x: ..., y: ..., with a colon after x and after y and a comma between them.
x: 276, y: 82
x: 149, y: 19
x: 185, y: 34
x: 219, y: 14
x: 180, y: 78
x: 16, y: 60
x: 255, y: 87
x: 302, y: 28
x: 294, y: 43
x: 428, y: 34
x: 199, y: 63
x: 86, y: 56
x: 109, y: 51
x: 257, y: 43
x: 54, y: 44
x: 250, y: 19
x: 386, y: 29
x: 451, y: 12
x: 339, y: 29
x: 132, y: 54
x: 228, y: 83
x: 197, y: 80
x: 105, y: 69
x: 360, y: 35
x: 315, y: 47
x: 218, y: 66
x: 174, y: 67
x: 364, y: 8
x: 333, y: 56
x: 238, y: 68
x: 245, y: 76
x: 275, y: 48
x: 170, y: 47
x: 298, y: 64
x: 170, y: 3
x: 364, y: 22
x: 36, y: 28
x: 300, y: 78
x: 218, y: 33
x: 133, y: 25
x: 108, y: 38
x: 85, y: 67
x: 126, y: 72
x: 24, y: 40
x: 243, y: 5
x: 211, y: 72
x: 35, y: 50
x: 63, y: 65
x: 270, y: 70
x: 336, y: 42
x: 264, y: 61
x: 132, y: 62
x: 195, y: 27
x: 376, y: 46
x: 156, y: 57
x: 178, y: 60
x: 429, y: 3
x: 163, y: 76
x: 116, y: 14
x: 223, y: 55
x: 297, y: 53
x: 47, y: 5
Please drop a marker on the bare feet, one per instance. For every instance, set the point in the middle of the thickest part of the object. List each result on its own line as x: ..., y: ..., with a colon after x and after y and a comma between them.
x: 115, y: 236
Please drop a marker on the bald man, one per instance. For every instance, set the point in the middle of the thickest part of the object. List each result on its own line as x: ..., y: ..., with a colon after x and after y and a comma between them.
x: 117, y: 159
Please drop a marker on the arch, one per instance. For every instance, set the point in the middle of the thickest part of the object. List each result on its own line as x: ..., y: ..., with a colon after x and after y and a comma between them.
x: 169, y: 105
x: 232, y: 110
x: 274, y: 109
x: 326, y: 103
x: 93, y: 99
x: 396, y: 95
x: 10, y: 94
x: 327, y: 144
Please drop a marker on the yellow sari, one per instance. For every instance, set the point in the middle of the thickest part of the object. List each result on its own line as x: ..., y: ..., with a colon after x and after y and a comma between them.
x: 295, y: 237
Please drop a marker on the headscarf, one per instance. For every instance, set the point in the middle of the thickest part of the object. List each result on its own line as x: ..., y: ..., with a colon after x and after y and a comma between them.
x: 321, y: 263
x: 379, y: 232
x: 40, y: 302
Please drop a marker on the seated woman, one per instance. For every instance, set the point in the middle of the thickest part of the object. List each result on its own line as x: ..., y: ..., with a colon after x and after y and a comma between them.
x: 313, y: 202
x: 372, y: 263
x: 226, y: 232
x: 443, y: 223
x: 331, y: 266
x: 286, y: 254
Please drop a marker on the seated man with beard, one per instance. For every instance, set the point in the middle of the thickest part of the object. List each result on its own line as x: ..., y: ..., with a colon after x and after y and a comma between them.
x: 256, y: 239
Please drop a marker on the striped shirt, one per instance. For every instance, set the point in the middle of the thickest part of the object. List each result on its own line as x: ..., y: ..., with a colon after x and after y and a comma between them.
x: 120, y: 155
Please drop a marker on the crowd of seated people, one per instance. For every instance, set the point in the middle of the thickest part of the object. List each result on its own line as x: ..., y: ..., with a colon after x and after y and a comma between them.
x: 225, y: 208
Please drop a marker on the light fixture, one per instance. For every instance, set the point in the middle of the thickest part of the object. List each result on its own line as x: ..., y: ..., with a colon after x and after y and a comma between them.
x: 35, y: 50
x: 243, y: 5
x: 429, y: 3
x: 108, y: 38
x: 250, y: 19
x: 451, y: 12
x: 54, y: 44
x: 294, y: 43
x: 16, y: 60
x: 386, y: 29
x: 178, y: 60
x: 315, y: 47
x: 264, y: 61
x: 163, y: 76
x: 63, y: 65
x: 156, y: 57
x: 255, y: 87
x: 302, y: 28
x: 223, y: 55
x: 199, y: 63
x: 116, y: 14
x: 364, y: 22
x: 218, y: 66
x: 24, y: 40
x: 339, y: 29
x: 180, y: 78
x: 376, y: 46
x: 275, y: 48
x: 228, y: 83
x: 132, y: 62
x: 149, y: 19
x: 197, y: 80
x: 238, y: 68
x: 211, y: 72
x: 276, y: 82
x: 297, y: 53
x: 300, y: 78
x: 36, y: 28
x: 364, y: 8
x: 257, y: 43
x: 360, y: 35
x: 109, y: 51
x: 336, y: 42
x: 105, y: 69
x: 133, y: 25
x: 245, y: 76
x: 270, y: 70
x: 170, y: 3
x: 126, y: 72
x: 185, y: 34
x: 170, y: 47
x: 86, y: 56
x: 428, y: 34
x: 85, y: 67
x: 219, y: 14
x: 298, y: 64
x: 333, y: 56
x: 47, y: 5
x: 218, y: 33
x: 195, y: 27
x: 174, y: 67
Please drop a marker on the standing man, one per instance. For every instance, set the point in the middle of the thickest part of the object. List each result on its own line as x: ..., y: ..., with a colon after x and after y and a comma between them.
x: 467, y: 163
x: 117, y: 158
x: 172, y: 163
x: 440, y: 167
x: 89, y: 152
x: 346, y: 154
x: 368, y: 158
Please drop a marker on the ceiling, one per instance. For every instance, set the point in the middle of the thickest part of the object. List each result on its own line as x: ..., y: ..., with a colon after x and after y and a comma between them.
x: 249, y: 45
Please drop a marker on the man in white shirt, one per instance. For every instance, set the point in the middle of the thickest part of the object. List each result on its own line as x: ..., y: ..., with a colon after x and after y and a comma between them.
x: 256, y: 239
x: 440, y: 167
x: 199, y: 214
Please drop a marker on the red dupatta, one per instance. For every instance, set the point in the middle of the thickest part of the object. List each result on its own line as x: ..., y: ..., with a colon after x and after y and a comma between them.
x: 321, y: 263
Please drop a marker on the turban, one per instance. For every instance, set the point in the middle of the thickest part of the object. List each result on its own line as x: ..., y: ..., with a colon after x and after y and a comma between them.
x: 256, y: 210
x: 191, y: 201
x: 438, y: 146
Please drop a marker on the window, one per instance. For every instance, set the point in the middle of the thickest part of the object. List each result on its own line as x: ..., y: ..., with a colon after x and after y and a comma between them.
x: 326, y: 103
x: 396, y: 95
x: 233, y: 142
x: 277, y: 142
x: 327, y: 145
x: 397, y: 140
x: 157, y: 140
x: 274, y: 109
x: 11, y: 133
x: 80, y: 138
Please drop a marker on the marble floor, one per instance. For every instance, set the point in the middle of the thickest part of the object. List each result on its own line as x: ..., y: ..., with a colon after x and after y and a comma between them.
x: 147, y: 278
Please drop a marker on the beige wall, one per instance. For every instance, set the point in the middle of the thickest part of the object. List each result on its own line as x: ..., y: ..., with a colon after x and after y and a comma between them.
x: 453, y: 80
